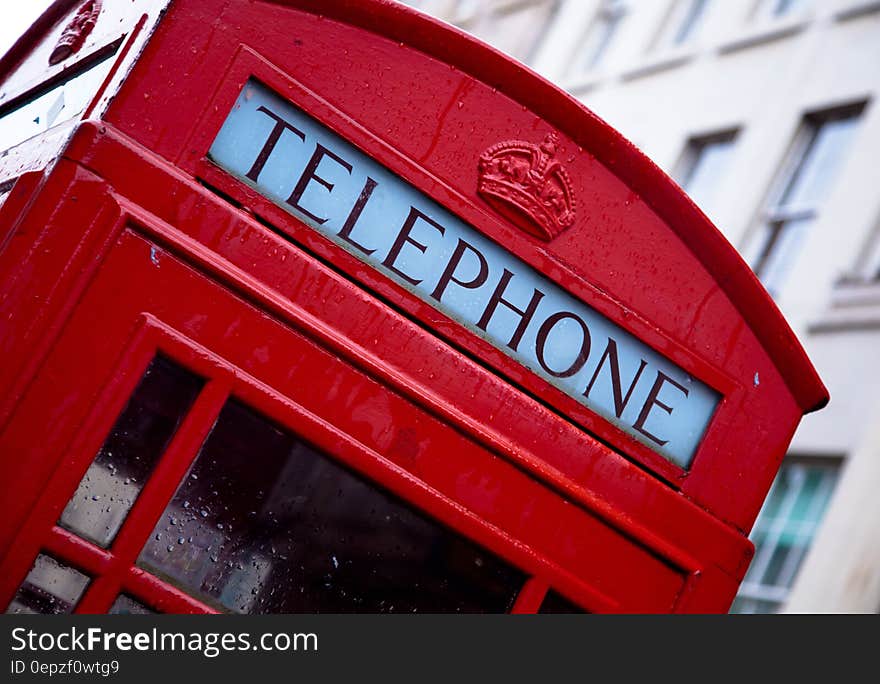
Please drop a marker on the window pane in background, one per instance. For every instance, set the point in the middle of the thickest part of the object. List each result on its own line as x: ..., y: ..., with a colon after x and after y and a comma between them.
x: 599, y: 36
x: 780, y: 8
x: 691, y: 18
x: 143, y: 430
x: 806, y: 182
x: 779, y: 254
x: 264, y: 523
x: 783, y: 533
x: 704, y: 166
x: 515, y: 28
x: 50, y: 588
x: 749, y: 606
x: 814, y: 176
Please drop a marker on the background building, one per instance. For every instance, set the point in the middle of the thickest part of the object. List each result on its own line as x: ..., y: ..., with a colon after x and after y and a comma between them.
x: 765, y: 112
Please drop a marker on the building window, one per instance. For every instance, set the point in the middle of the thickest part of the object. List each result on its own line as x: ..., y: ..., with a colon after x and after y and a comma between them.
x: 805, y: 181
x: 783, y: 533
x: 600, y: 34
x: 683, y: 22
x: 703, y: 166
x: 776, y: 9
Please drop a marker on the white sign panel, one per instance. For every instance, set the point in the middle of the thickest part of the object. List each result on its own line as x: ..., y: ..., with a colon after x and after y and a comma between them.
x: 360, y: 205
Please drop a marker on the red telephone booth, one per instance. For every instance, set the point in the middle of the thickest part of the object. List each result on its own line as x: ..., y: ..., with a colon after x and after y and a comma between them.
x: 328, y: 307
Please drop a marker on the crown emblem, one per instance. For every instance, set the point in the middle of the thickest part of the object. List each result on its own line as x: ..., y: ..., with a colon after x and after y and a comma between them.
x: 76, y: 32
x: 524, y: 183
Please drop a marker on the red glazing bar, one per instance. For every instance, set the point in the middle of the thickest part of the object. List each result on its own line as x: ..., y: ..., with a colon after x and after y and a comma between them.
x: 155, y: 496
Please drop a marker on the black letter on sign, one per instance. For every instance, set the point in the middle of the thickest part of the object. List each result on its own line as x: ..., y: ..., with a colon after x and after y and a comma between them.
x: 355, y: 214
x: 309, y: 174
x: 271, y: 141
x: 541, y: 340
x: 620, y: 401
x: 651, y: 401
x: 403, y: 237
x: 454, y: 260
x: 497, y: 299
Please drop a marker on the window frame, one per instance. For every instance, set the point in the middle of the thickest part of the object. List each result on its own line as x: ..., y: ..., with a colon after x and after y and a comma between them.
x: 767, y: 11
x: 114, y: 571
x: 680, y: 15
x: 610, y: 13
x: 775, y: 214
x: 692, y: 153
x: 758, y: 591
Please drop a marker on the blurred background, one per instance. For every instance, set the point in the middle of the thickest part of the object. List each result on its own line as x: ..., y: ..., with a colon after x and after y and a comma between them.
x: 764, y: 112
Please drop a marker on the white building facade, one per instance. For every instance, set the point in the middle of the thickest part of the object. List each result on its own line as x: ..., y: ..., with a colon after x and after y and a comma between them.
x: 765, y: 112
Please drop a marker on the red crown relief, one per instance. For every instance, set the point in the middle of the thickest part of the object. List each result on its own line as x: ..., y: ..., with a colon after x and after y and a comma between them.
x: 523, y: 182
x: 76, y: 32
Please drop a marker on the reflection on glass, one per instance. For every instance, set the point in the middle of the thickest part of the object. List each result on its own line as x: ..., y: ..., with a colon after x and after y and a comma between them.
x: 264, y: 523
x: 50, y: 588
x: 113, y: 481
x: 556, y: 603
x: 125, y: 605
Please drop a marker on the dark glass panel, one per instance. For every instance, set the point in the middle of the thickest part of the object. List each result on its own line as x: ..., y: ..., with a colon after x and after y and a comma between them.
x: 113, y: 481
x: 264, y: 523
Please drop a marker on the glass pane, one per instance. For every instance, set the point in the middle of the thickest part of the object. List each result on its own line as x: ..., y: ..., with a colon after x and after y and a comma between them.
x: 781, y: 253
x: 113, y: 481
x: 690, y: 20
x: 706, y: 172
x: 557, y: 603
x: 264, y: 523
x: 50, y: 588
x: 784, y: 531
x: 125, y: 605
x: 750, y: 606
x: 813, y: 178
x: 598, y: 38
x: 515, y: 29
x: 778, y: 8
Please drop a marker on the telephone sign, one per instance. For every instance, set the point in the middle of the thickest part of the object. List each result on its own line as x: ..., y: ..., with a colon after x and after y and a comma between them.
x: 376, y: 216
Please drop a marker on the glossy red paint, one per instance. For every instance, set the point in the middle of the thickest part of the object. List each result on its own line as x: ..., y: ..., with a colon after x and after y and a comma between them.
x: 135, y: 242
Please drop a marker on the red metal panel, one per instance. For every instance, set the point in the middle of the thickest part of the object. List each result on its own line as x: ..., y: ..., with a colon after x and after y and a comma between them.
x: 118, y: 299
x: 20, y: 195
x: 460, y: 389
